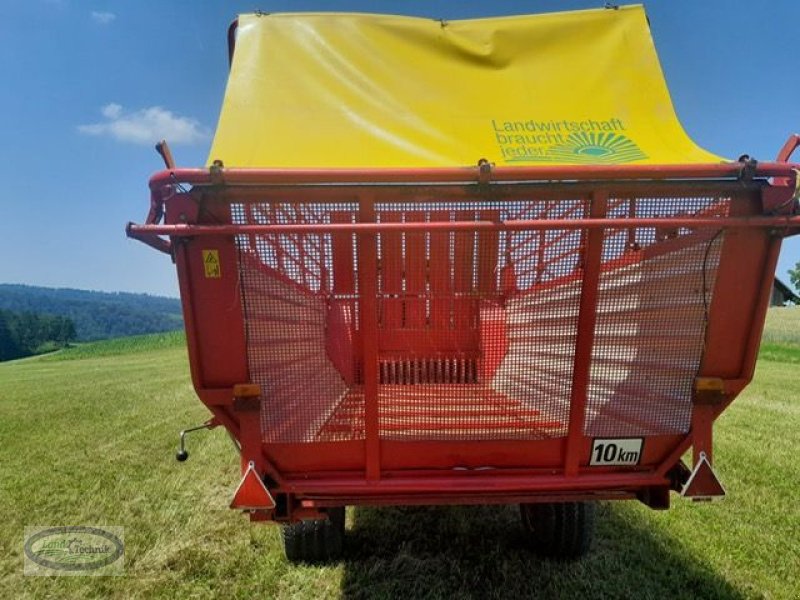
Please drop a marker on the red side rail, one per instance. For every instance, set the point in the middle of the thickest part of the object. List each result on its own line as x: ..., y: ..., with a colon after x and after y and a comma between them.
x: 215, y: 175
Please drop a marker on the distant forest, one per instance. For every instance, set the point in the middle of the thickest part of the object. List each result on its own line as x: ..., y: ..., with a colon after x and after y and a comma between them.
x: 95, y: 315
x: 25, y: 334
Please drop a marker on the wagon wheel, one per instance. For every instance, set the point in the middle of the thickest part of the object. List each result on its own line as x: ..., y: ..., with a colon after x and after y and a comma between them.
x: 559, y: 530
x: 315, y: 540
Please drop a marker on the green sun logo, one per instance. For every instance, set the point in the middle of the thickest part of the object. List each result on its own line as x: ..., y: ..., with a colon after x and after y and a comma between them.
x: 596, y: 148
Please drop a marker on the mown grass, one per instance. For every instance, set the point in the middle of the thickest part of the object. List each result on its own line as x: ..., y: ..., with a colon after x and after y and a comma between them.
x: 117, y: 346
x: 782, y: 326
x: 92, y: 441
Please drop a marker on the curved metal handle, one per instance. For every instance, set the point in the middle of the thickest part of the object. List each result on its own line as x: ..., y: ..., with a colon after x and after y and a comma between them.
x: 154, y: 216
x: 182, y: 453
x: 788, y: 148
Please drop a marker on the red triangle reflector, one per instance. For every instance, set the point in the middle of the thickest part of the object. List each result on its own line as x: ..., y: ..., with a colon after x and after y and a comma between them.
x: 252, y: 494
x: 703, y: 483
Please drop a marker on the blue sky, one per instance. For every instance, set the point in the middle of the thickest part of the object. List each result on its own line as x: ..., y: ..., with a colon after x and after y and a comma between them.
x: 88, y: 86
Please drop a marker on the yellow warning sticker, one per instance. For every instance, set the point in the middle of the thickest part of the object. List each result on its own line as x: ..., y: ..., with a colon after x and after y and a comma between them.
x: 211, y: 264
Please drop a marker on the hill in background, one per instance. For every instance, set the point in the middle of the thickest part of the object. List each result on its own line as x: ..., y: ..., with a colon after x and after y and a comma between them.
x: 96, y: 315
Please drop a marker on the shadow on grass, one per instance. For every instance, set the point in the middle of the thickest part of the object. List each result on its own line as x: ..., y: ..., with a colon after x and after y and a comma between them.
x: 479, y: 552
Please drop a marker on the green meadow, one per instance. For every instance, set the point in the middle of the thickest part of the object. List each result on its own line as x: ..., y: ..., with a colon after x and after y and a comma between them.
x: 88, y: 436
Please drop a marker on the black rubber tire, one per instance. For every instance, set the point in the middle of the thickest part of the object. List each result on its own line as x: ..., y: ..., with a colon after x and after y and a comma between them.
x: 561, y: 530
x: 316, y: 540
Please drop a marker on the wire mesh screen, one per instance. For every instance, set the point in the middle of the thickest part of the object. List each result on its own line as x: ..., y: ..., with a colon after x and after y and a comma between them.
x: 541, y: 273
x: 457, y: 360
x: 293, y: 295
x: 476, y: 327
x: 655, y: 288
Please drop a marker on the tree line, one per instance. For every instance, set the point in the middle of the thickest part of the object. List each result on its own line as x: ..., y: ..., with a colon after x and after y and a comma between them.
x: 96, y: 315
x: 28, y: 333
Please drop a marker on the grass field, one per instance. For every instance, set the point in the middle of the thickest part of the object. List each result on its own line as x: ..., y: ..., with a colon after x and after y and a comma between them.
x: 88, y: 436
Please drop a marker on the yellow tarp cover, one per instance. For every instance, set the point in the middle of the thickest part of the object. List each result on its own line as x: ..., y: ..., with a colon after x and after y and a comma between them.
x: 355, y: 90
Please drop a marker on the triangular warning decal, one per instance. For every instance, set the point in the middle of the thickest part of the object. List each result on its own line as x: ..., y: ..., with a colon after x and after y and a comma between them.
x: 703, y: 483
x: 252, y: 494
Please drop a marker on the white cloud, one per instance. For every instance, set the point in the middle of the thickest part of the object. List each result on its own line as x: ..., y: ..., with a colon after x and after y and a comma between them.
x: 112, y: 111
x: 102, y: 18
x: 146, y: 126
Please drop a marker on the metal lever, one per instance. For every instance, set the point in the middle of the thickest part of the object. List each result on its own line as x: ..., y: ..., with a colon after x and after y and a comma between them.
x: 163, y: 149
x: 182, y: 453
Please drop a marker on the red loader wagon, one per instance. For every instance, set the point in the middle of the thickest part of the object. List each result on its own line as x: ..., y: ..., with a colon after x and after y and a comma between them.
x: 376, y: 322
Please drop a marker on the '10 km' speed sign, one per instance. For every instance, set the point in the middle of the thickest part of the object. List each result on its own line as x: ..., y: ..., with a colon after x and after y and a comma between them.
x: 616, y: 451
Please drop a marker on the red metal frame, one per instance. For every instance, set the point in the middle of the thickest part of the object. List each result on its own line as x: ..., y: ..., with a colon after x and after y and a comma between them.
x: 187, y: 231
x: 308, y: 477
x: 416, y: 176
x: 592, y: 251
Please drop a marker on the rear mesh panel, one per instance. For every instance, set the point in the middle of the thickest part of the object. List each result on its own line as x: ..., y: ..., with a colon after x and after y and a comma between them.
x: 650, y: 322
x: 476, y: 329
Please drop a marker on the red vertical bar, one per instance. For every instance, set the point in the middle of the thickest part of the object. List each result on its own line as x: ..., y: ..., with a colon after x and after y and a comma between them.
x: 756, y: 328
x: 703, y: 416
x: 592, y: 254
x: 488, y: 260
x: 342, y: 248
x: 488, y: 255
x: 540, y: 250
x: 745, y: 272
x: 415, y: 271
x: 249, y: 220
x: 301, y: 256
x: 439, y: 265
x: 702, y: 434
x: 250, y: 435
x: 391, y: 273
x: 278, y: 240
x: 368, y: 291
x: 324, y: 274
x: 542, y: 247
x: 463, y: 266
x: 186, y: 288
x: 631, y: 241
